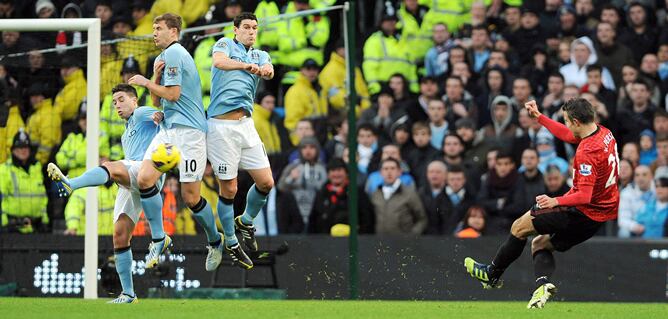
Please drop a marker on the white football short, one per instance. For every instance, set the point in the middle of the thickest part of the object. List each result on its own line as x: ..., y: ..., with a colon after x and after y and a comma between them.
x: 191, y: 143
x: 128, y: 201
x: 234, y: 144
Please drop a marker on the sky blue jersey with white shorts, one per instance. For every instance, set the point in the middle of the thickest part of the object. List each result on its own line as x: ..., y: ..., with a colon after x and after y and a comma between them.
x: 180, y: 70
x: 139, y: 132
x: 231, y: 90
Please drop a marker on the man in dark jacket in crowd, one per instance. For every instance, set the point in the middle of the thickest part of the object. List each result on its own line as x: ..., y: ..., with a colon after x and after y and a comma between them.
x: 533, y: 179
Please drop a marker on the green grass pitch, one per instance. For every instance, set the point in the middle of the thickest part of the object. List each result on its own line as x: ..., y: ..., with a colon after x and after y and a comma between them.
x: 202, y: 309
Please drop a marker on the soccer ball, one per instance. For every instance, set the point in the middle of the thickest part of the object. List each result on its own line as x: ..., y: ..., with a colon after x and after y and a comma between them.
x: 165, y: 157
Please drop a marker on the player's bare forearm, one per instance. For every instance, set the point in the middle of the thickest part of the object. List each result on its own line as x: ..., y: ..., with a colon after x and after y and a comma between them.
x: 221, y: 61
x: 170, y: 93
x: 557, y: 129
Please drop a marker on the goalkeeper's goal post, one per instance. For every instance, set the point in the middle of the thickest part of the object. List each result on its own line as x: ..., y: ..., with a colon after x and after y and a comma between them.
x: 92, y: 27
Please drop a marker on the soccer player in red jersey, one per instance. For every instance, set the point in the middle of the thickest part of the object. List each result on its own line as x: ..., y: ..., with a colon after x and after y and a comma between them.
x: 562, y: 222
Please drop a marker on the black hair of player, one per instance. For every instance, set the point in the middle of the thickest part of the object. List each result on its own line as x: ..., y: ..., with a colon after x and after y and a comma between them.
x: 579, y: 109
x: 244, y: 16
x: 127, y: 88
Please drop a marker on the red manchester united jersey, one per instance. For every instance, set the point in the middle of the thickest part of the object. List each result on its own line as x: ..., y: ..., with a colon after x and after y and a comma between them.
x: 596, y: 163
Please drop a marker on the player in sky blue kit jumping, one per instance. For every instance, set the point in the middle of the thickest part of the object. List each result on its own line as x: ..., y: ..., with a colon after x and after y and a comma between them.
x: 140, y: 128
x: 177, y: 89
x: 232, y: 141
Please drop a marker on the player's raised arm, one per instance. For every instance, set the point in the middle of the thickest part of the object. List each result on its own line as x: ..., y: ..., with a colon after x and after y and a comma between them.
x: 557, y: 129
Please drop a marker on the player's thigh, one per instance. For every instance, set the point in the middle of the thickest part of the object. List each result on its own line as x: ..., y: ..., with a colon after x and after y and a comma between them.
x: 523, y: 227
x: 147, y: 175
x: 118, y: 171
x: 255, y: 161
x: 192, y: 144
x: 223, y: 148
x: 579, y: 229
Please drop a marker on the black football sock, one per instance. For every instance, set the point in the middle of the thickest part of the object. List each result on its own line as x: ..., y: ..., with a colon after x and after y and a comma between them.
x: 508, y: 252
x: 543, y: 266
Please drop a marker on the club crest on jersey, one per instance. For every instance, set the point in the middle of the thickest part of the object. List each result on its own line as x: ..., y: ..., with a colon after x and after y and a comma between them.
x: 222, y: 168
x: 171, y: 71
x: 585, y: 170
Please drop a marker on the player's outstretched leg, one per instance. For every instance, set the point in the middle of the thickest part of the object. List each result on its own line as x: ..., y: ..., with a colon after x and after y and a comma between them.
x: 94, y: 177
x: 544, y: 265
x: 510, y: 250
x: 255, y: 199
x: 151, y: 202
x: 123, y: 256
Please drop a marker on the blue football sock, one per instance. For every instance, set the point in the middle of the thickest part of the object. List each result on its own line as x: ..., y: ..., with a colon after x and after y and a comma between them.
x: 254, y: 202
x: 203, y: 214
x: 151, y: 202
x: 94, y: 177
x: 226, y: 216
x: 124, y: 269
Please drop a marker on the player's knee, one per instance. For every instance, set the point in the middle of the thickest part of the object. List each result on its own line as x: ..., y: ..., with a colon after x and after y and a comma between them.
x: 121, y: 238
x: 266, y: 185
x: 540, y: 243
x: 144, y: 181
x: 228, y: 190
x: 519, y: 229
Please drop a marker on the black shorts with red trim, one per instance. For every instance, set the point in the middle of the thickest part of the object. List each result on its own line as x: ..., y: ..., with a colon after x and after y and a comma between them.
x: 567, y: 226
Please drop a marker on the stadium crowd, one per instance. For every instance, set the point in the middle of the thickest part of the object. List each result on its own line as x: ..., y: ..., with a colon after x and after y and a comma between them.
x: 445, y: 146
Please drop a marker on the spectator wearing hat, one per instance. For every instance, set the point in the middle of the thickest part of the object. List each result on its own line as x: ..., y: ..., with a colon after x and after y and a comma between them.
x: 305, y: 177
x: 632, y: 200
x: 141, y: 18
x: 72, y: 94
x: 43, y: 124
x: 647, y: 147
x: 121, y: 24
x: 302, y: 38
x: 397, y: 207
x: 502, y: 131
x: 331, y: 204
x: 22, y: 189
x: 71, y: 156
x: 436, y: 58
x: 640, y: 36
x: 306, y: 100
x: 332, y: 80
x: 529, y: 34
x: 547, y: 154
x: 583, y: 55
x: 385, y: 54
x: 569, y: 27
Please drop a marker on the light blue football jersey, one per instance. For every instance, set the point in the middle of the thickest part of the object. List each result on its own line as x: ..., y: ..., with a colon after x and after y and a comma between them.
x: 231, y: 90
x: 139, y: 132
x: 180, y: 70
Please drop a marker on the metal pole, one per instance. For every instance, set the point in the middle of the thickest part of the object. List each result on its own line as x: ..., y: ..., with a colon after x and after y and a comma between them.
x: 349, y: 22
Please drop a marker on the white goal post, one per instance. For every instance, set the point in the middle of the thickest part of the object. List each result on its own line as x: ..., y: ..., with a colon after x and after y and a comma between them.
x: 92, y: 26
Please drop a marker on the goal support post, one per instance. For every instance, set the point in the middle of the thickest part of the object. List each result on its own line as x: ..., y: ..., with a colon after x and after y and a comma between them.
x: 92, y: 26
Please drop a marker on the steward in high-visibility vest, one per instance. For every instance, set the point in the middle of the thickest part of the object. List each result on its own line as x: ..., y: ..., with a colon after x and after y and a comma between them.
x: 23, y: 207
x: 267, y: 36
x: 415, y: 32
x: 386, y: 53
x: 44, y: 124
x: 72, y: 153
x: 302, y: 38
x: 333, y: 80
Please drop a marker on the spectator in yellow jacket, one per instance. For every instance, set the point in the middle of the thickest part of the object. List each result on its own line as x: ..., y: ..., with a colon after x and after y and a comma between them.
x: 75, y: 211
x: 265, y: 121
x: 9, y: 128
x: 71, y: 156
x: 305, y: 100
x: 70, y: 97
x: 43, y: 124
x: 333, y: 80
x: 302, y: 38
x: 141, y: 17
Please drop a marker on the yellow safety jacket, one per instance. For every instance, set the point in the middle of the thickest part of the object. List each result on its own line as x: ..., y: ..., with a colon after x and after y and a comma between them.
x: 7, y: 132
x: 71, y: 156
x: 333, y: 80
x: 267, y: 37
x: 266, y: 129
x: 418, y: 36
x: 452, y: 13
x: 44, y: 129
x: 75, y: 211
x: 302, y: 38
x: 70, y: 97
x: 23, y: 193
x: 385, y: 56
x: 303, y: 101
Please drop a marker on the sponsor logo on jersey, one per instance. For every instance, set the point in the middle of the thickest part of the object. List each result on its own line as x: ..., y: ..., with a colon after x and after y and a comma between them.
x: 171, y: 71
x: 585, y: 170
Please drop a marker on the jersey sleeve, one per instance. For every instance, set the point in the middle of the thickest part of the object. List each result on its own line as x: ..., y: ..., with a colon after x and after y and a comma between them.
x: 145, y: 113
x: 173, y: 72
x: 222, y: 45
x: 559, y: 130
x: 264, y: 58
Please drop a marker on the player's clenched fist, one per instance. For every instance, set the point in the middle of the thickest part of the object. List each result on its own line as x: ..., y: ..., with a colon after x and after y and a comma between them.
x: 252, y: 68
x: 532, y: 107
x: 158, y: 66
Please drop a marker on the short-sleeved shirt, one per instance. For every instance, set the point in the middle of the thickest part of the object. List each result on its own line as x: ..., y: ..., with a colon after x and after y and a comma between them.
x: 596, y: 164
x: 231, y: 90
x: 180, y: 70
x: 139, y: 132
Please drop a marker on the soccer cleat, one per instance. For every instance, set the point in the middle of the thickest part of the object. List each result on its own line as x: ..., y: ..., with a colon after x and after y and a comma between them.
x: 481, y: 272
x: 154, y: 251
x: 214, y: 257
x: 239, y: 256
x: 248, y: 233
x: 541, y: 295
x: 123, y: 298
x: 62, y: 182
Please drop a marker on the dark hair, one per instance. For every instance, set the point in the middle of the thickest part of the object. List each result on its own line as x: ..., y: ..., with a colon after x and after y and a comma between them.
x: 461, y: 82
x: 470, y: 211
x: 244, y: 16
x: 456, y: 169
x: 127, y: 88
x: 643, y: 83
x: 557, y: 75
x: 503, y: 153
x: 459, y: 138
x: 171, y: 20
x: 367, y: 127
x: 336, y: 163
x: 595, y: 67
x: 480, y: 27
x: 662, y: 138
x: 661, y: 182
x: 531, y: 149
x: 420, y: 126
x: 579, y: 109
x: 391, y: 159
x: 660, y: 112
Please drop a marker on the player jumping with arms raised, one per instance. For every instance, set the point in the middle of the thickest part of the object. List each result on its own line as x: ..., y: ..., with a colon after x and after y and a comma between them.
x: 232, y: 141
x: 177, y: 89
x: 140, y: 128
x: 562, y: 222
